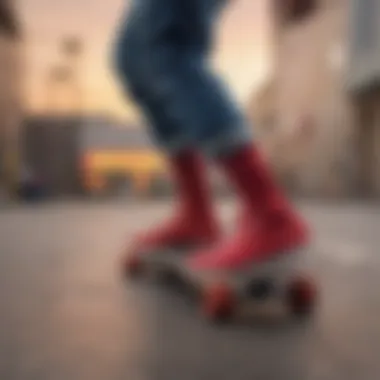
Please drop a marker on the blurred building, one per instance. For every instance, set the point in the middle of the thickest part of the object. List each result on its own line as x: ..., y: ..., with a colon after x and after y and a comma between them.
x: 90, y: 155
x: 307, y: 111
x: 10, y: 94
x: 363, y: 82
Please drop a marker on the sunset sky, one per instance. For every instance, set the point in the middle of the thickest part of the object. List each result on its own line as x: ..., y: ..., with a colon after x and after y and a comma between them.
x: 241, y: 54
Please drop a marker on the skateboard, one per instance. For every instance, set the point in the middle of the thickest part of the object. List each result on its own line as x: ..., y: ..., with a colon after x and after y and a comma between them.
x: 278, y: 284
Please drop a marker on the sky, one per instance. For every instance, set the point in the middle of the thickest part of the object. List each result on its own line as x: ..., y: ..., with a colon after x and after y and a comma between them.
x: 241, y: 53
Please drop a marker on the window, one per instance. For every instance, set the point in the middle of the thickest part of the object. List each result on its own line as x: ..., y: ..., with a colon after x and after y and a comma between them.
x: 295, y: 10
x: 301, y: 9
x: 8, y: 22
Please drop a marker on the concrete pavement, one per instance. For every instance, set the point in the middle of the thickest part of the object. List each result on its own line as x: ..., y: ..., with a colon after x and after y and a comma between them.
x: 67, y: 314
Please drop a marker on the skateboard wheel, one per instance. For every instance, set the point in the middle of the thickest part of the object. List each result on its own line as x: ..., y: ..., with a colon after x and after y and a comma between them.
x: 218, y: 303
x: 261, y: 289
x: 169, y: 278
x: 301, y: 296
x: 133, y: 266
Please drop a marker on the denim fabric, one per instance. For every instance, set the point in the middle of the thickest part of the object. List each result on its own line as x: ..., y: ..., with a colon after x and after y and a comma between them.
x: 162, y: 57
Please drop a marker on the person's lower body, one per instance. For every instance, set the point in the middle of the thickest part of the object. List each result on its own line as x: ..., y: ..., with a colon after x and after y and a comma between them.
x: 164, y: 66
x: 140, y: 53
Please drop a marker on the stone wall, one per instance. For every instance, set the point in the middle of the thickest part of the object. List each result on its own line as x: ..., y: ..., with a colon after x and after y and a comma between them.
x: 312, y: 142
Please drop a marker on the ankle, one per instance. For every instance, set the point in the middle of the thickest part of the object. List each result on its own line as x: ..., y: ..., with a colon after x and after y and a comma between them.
x: 197, y: 219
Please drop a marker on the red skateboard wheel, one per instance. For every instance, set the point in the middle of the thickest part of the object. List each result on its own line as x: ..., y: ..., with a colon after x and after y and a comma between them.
x: 301, y: 296
x: 218, y: 302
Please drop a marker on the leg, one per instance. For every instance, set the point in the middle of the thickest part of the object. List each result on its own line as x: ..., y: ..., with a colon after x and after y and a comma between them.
x: 269, y: 225
x: 193, y: 221
x: 179, y: 77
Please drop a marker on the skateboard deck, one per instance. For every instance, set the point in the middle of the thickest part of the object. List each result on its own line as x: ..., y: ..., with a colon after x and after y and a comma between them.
x: 273, y: 286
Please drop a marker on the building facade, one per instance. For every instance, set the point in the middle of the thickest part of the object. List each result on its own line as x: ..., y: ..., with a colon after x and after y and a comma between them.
x: 97, y: 155
x: 10, y: 95
x: 363, y: 83
x: 313, y: 134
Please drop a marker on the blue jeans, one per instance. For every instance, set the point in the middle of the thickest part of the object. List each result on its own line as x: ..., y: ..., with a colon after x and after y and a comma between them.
x: 162, y: 57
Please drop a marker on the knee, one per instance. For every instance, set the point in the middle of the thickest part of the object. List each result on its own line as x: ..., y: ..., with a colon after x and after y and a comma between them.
x: 152, y: 68
x: 122, y: 60
x: 126, y: 65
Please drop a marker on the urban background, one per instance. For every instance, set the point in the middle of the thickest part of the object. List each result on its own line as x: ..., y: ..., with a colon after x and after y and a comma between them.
x: 314, y: 108
x: 307, y: 73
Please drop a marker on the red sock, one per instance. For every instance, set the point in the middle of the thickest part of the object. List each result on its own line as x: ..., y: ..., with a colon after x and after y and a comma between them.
x: 254, y: 183
x: 192, y: 187
x: 193, y: 221
x: 269, y: 225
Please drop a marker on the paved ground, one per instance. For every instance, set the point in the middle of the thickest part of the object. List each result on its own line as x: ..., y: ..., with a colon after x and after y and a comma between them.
x: 66, y: 314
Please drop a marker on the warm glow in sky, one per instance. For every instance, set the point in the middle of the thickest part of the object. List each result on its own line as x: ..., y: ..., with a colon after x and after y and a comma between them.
x: 241, y: 51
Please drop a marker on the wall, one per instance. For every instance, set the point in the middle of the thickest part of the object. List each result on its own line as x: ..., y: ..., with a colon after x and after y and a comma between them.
x: 312, y: 141
x: 51, y: 151
x: 11, y: 79
x: 363, y: 83
x: 367, y: 107
x: 364, y: 46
